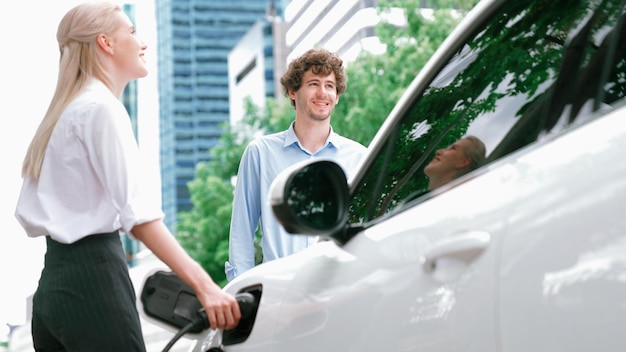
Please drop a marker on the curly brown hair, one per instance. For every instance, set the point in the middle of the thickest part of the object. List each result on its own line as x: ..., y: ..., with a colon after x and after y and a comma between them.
x: 320, y: 62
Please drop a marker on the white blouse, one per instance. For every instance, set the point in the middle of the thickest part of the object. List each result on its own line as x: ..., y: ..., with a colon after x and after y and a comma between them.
x: 92, y: 177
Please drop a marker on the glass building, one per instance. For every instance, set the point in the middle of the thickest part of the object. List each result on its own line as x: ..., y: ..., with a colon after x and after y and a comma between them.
x: 343, y: 26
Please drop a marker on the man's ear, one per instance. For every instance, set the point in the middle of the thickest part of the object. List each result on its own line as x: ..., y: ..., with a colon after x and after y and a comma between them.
x: 104, y: 43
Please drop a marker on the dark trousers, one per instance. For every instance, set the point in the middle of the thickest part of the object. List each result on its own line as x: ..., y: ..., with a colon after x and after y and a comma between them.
x: 85, y: 300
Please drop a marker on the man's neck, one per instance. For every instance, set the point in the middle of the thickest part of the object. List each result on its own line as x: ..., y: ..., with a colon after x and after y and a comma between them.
x: 312, y: 134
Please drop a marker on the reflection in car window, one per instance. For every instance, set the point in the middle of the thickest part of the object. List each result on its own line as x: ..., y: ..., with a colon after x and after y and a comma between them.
x: 532, y: 70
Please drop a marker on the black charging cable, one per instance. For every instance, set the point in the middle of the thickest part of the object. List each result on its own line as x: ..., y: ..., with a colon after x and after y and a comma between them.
x: 246, y: 303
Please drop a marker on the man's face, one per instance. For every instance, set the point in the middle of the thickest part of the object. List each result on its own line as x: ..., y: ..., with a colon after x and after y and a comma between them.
x: 317, y: 96
x: 449, y: 161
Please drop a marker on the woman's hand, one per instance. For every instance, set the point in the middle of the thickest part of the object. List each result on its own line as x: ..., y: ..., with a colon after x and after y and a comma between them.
x: 221, y: 308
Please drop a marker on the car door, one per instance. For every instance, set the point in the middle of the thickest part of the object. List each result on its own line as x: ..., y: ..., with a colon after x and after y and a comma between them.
x: 433, y: 269
x: 563, y: 264
x: 521, y: 77
x: 423, y: 280
x: 562, y: 272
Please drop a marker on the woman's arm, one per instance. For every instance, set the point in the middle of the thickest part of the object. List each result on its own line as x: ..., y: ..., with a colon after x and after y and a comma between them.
x: 221, y: 308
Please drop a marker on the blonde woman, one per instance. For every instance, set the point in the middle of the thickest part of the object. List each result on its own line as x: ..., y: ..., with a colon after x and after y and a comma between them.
x: 83, y: 183
x: 465, y: 155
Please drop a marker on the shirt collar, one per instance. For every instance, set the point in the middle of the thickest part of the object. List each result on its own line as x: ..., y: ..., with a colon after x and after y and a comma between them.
x: 97, y: 85
x: 291, y: 138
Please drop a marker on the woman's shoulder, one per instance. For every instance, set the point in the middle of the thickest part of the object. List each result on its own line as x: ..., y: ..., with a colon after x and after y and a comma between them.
x: 97, y: 100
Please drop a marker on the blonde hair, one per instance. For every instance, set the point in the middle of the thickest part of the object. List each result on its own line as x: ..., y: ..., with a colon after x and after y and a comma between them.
x: 79, y: 62
x: 476, y: 152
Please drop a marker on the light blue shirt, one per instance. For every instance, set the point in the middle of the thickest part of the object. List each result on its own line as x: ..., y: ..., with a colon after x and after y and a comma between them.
x: 263, y: 159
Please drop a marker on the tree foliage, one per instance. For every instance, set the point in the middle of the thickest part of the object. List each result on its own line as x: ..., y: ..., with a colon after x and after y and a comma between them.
x: 376, y: 82
x: 203, y: 231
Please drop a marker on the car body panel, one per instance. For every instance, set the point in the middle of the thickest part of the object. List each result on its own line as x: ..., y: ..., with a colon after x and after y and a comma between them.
x: 563, y: 264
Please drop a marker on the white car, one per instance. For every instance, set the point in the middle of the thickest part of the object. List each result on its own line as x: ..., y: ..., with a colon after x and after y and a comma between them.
x: 525, y: 253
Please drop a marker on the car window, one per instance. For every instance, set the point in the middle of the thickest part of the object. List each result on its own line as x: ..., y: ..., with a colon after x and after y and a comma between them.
x: 531, y: 71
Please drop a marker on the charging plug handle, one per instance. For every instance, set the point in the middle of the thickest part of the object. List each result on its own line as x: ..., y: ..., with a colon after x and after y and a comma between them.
x: 246, y: 303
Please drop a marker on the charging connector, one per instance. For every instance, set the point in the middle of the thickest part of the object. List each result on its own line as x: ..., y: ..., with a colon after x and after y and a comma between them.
x: 200, y: 321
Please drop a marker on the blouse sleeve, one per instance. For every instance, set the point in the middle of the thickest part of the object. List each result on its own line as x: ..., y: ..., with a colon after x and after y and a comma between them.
x: 115, y: 157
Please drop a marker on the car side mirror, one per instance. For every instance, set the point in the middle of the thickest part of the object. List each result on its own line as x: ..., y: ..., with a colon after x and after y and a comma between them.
x: 311, y: 198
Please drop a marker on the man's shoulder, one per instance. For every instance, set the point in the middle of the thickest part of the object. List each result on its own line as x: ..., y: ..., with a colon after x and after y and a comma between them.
x: 345, y: 142
x: 268, y: 143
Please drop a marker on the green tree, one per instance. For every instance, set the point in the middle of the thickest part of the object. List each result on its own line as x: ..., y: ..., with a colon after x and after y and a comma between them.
x: 376, y: 82
x: 203, y: 231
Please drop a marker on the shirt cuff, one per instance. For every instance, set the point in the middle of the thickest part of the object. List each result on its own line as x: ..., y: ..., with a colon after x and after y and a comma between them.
x: 231, y: 271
